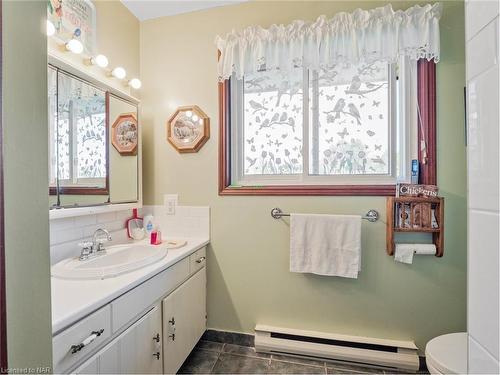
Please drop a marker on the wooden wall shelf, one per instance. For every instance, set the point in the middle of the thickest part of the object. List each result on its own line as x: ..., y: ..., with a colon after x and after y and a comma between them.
x: 415, y: 215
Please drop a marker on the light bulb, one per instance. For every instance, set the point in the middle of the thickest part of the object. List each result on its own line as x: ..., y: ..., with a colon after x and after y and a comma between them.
x: 200, y: 121
x: 51, y: 29
x: 195, y: 118
x: 74, y: 46
x: 135, y: 83
x: 189, y: 113
x: 119, y: 72
x: 99, y: 60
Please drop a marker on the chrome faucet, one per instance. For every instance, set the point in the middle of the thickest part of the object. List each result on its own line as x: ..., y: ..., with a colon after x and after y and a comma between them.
x: 91, y: 249
x: 97, y: 241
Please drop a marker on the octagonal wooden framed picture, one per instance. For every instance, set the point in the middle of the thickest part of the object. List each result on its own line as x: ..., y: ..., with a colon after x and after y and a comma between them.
x: 188, y: 129
x: 125, y: 134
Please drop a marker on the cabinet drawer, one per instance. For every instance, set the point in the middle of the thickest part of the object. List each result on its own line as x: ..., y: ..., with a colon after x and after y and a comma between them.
x: 81, y: 332
x: 135, y: 302
x: 197, y: 260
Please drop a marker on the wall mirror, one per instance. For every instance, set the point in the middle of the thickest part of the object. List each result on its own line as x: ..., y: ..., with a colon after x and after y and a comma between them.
x: 86, y: 122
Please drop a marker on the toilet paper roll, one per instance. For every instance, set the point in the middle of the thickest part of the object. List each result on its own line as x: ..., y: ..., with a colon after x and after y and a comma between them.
x: 405, y: 251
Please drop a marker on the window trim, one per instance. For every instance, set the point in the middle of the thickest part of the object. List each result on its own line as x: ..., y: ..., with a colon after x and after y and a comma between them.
x: 426, y: 96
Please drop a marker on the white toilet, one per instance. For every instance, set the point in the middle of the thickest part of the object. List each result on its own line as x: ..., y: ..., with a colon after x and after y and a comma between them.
x: 447, y: 354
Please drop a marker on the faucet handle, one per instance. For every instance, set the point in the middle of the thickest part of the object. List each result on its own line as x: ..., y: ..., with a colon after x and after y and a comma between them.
x: 85, y: 245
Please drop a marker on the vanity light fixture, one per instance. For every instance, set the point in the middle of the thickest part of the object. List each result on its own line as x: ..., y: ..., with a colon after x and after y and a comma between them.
x: 119, y: 72
x: 135, y: 83
x: 51, y: 29
x: 74, y: 46
x: 99, y: 60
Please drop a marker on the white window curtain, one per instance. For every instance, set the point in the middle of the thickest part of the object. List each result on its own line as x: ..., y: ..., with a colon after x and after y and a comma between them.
x: 379, y: 34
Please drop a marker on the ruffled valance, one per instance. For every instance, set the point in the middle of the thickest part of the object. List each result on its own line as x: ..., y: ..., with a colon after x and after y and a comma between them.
x: 379, y: 34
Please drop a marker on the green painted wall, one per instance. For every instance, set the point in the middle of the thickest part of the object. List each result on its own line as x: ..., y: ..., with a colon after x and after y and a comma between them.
x: 248, y: 277
x: 25, y: 134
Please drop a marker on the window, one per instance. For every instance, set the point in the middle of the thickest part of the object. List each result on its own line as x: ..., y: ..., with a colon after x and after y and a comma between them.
x: 351, y: 130
x: 77, y: 136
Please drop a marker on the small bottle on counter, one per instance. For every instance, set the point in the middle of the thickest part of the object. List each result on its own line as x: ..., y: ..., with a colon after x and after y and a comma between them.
x: 149, y: 224
x: 155, y: 237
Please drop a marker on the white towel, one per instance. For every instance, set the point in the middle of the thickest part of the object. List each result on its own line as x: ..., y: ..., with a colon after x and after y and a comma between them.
x: 328, y: 245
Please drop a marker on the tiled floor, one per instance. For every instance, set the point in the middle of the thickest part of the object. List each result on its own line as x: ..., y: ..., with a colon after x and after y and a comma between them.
x: 217, y: 358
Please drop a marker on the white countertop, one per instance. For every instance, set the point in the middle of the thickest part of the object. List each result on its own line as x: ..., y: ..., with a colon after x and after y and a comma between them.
x: 74, y: 299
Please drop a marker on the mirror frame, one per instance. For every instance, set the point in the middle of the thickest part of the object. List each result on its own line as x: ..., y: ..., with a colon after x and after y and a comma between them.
x: 116, y: 90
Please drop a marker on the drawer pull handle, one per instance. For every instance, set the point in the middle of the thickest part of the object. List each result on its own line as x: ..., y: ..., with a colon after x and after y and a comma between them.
x: 157, y: 337
x: 89, y: 340
x: 172, y: 336
x: 157, y: 355
x: 200, y: 260
x: 172, y: 321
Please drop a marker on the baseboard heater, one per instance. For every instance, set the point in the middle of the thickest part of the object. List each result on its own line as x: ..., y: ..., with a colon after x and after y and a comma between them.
x: 330, y: 346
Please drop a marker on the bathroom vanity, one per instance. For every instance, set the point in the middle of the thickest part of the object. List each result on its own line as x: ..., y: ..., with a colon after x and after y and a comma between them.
x: 134, y: 307
x: 144, y: 321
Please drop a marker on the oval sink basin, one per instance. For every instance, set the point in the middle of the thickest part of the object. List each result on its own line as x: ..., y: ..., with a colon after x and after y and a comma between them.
x: 117, y: 260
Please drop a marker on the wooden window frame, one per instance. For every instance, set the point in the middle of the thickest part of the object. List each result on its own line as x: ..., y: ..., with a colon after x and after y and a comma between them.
x: 426, y: 96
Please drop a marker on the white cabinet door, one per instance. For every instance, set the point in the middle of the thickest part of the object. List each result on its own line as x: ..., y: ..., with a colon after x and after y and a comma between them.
x: 184, y: 321
x: 109, y: 360
x: 136, y: 351
x: 140, y: 349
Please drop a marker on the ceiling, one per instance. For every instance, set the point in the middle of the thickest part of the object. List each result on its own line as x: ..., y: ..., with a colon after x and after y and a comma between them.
x: 147, y: 9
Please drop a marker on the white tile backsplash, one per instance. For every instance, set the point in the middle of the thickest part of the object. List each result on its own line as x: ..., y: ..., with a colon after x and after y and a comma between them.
x: 188, y: 221
x: 67, y: 233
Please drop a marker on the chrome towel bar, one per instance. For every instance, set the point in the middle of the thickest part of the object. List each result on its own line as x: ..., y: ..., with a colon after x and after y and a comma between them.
x: 372, y: 215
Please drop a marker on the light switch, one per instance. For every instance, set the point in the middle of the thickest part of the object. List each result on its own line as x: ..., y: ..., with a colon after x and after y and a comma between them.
x: 170, y: 201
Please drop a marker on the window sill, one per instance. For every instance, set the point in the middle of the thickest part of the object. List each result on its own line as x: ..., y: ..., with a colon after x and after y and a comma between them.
x: 318, y: 190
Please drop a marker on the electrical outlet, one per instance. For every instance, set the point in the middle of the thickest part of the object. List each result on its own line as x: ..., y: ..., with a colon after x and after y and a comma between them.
x: 170, y: 201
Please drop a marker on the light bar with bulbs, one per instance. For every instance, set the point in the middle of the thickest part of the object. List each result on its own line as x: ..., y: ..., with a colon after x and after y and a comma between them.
x: 75, y: 46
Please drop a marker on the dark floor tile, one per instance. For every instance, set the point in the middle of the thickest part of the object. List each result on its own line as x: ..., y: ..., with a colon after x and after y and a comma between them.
x: 351, y: 369
x: 299, y: 360
x: 279, y: 367
x: 199, y: 362
x: 229, y: 337
x: 210, y: 345
x: 237, y: 364
x: 243, y: 350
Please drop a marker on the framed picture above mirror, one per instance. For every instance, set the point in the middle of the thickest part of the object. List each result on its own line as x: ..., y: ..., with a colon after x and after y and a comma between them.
x: 188, y: 129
